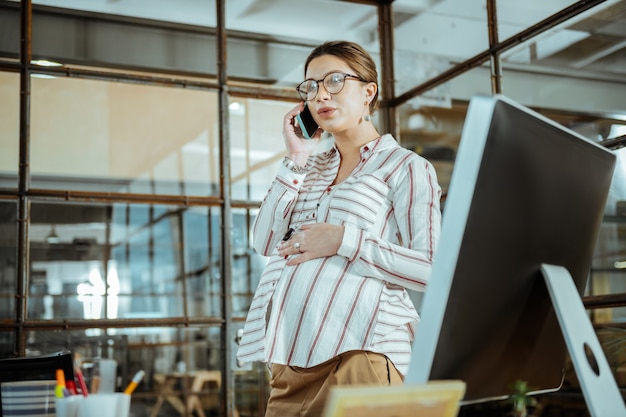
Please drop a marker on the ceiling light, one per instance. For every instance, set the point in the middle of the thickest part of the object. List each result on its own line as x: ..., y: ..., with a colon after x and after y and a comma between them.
x: 45, y: 76
x: 52, y: 236
x: 620, y: 264
x: 46, y: 63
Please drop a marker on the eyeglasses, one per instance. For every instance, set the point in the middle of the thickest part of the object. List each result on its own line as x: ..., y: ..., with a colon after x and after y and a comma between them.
x: 333, y: 83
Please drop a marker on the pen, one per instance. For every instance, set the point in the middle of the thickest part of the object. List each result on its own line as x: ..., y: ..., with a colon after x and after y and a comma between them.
x: 95, y: 384
x: 288, y: 234
x: 71, y: 387
x: 81, y: 381
x: 133, y: 384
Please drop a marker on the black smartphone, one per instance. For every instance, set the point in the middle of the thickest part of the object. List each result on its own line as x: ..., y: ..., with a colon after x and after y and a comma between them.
x: 306, y: 123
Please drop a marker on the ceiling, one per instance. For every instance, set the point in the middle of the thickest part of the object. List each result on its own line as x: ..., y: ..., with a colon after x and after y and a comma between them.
x: 451, y: 30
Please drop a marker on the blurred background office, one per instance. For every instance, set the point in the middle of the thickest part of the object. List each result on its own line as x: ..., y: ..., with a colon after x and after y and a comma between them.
x: 137, y: 138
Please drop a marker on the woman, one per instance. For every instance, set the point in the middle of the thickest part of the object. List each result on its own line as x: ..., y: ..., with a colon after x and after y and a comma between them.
x: 348, y: 231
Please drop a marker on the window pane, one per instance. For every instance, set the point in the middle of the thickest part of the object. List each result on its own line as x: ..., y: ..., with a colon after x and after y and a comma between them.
x: 257, y: 145
x: 8, y: 258
x: 7, y: 344
x: 432, y: 37
x: 247, y: 263
x: 431, y: 124
x: 10, y: 24
x: 91, y: 261
x: 123, y: 137
x: 202, y: 228
x: 113, y: 41
x: 10, y: 132
x: 434, y: 133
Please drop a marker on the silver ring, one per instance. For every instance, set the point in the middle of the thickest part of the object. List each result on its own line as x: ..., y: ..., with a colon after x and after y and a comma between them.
x: 296, y: 245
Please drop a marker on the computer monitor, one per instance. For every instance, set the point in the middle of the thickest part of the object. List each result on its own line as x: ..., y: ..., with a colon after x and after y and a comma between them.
x: 524, y: 192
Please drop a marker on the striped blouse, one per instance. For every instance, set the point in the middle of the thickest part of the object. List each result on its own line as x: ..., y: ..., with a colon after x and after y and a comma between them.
x: 306, y: 314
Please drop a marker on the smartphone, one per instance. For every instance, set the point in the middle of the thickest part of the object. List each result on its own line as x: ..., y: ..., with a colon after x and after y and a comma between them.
x: 306, y: 123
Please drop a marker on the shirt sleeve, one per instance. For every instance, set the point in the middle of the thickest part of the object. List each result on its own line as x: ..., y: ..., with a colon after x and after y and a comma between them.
x: 416, y: 205
x: 274, y: 216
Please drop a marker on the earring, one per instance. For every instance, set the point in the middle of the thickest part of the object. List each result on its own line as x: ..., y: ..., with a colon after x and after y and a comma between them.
x: 367, y: 118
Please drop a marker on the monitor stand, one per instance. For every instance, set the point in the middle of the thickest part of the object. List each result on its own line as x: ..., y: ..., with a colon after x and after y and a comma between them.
x: 598, y: 385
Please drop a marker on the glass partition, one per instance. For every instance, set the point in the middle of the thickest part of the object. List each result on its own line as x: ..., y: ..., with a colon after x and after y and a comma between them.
x: 247, y: 264
x: 10, y: 24
x: 257, y: 145
x: 123, y: 261
x: 10, y: 132
x: 8, y: 258
x: 434, y: 133
x: 7, y: 343
x: 112, y: 136
x: 431, y: 37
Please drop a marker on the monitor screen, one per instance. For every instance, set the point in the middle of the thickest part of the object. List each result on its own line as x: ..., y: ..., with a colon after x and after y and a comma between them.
x: 524, y: 191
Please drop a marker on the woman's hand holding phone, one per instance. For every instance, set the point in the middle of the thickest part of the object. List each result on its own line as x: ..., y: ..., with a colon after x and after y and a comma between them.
x: 307, y: 124
x: 299, y: 148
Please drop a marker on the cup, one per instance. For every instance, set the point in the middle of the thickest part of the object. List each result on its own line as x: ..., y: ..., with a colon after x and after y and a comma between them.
x: 28, y: 398
x: 68, y: 406
x: 104, y: 405
x: 104, y: 376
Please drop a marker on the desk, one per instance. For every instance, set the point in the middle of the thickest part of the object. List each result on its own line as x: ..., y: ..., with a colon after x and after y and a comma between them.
x: 165, y: 391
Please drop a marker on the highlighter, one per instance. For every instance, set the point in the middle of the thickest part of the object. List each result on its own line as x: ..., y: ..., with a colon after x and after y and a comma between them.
x: 60, y: 391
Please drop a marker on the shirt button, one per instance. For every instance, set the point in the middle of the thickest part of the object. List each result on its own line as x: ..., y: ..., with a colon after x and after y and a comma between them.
x: 363, y: 160
x: 328, y: 189
x: 367, y: 148
x: 295, y: 181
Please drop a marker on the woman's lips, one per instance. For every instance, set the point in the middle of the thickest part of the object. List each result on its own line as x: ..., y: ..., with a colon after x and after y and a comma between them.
x: 325, y: 111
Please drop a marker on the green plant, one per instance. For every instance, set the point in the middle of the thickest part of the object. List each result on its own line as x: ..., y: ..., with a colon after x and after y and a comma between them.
x: 520, y: 399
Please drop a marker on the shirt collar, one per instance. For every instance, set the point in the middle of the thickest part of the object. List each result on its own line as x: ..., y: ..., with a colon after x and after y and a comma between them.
x: 382, y: 142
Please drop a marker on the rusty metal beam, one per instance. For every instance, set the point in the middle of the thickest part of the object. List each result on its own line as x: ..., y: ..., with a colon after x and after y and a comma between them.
x: 82, y: 324
x: 385, y: 33
x: 492, y: 27
x: 228, y: 379
x: 23, y: 205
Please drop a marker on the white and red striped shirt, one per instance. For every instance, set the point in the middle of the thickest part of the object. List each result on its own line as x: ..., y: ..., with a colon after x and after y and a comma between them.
x: 356, y: 299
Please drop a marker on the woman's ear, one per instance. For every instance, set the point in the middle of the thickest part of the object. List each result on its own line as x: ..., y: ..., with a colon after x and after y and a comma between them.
x: 370, y: 91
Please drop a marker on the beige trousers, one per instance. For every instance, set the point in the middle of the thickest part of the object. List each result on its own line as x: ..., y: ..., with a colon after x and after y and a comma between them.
x: 302, y: 392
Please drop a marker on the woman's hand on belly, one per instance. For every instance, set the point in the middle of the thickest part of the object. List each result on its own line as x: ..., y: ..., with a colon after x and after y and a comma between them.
x: 317, y: 240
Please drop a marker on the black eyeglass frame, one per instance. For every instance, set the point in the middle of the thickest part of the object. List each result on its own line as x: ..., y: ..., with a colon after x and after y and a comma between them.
x: 304, y: 95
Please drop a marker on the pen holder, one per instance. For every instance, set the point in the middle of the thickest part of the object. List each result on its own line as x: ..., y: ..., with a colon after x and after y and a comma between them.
x: 101, y: 405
